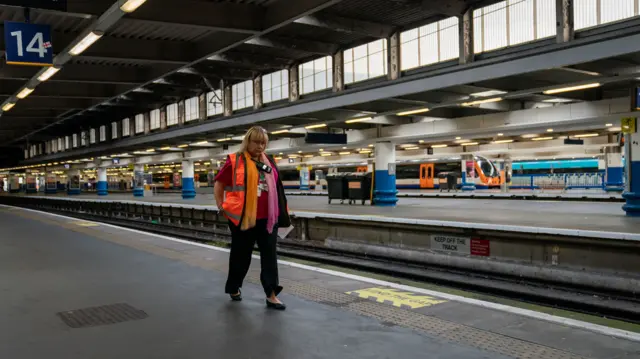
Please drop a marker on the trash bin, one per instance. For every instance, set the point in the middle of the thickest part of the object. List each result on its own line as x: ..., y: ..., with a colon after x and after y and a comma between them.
x: 452, y: 181
x: 337, y: 187
x: 359, y: 187
x: 443, y: 184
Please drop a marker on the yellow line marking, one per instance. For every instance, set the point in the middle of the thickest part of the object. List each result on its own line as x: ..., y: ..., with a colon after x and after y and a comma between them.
x: 397, y: 298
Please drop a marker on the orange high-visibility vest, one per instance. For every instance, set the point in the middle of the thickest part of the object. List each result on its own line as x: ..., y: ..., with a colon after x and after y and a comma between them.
x: 235, y: 199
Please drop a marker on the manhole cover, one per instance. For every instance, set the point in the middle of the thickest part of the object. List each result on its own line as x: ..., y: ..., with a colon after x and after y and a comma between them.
x: 104, y: 315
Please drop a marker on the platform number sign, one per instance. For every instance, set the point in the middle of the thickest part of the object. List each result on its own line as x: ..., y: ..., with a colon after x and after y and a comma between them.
x: 28, y: 44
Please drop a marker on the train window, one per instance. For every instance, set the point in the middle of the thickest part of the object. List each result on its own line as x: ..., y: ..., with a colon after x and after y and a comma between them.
x: 423, y: 171
x: 430, y: 172
x: 408, y: 172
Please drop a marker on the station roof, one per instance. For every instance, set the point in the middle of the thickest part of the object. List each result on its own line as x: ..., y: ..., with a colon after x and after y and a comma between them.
x: 169, y: 50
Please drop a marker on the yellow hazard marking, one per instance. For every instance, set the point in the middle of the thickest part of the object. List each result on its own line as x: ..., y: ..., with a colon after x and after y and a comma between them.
x: 397, y: 298
x: 85, y: 224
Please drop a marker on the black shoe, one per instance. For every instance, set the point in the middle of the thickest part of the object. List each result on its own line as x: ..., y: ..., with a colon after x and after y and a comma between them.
x: 236, y: 297
x: 276, y: 306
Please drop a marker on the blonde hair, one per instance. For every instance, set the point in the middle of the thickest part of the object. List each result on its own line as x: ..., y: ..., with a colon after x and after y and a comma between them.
x: 255, y: 132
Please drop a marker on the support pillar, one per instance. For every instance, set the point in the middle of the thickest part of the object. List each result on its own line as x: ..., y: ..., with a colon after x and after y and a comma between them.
x: 188, y: 183
x: 466, y: 34
x: 338, y: 71
x: 294, y: 86
x: 468, y: 167
x: 304, y: 178
x: 138, y: 181
x: 613, y: 169
x: 393, y: 57
x: 102, y: 186
x: 385, y: 190
x: 257, y: 93
x: 564, y: 21
x: 74, y: 182
x: 227, y: 101
x: 632, y: 156
x: 507, y: 172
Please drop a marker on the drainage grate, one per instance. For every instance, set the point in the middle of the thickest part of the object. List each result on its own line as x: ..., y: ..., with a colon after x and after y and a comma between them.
x: 104, y: 315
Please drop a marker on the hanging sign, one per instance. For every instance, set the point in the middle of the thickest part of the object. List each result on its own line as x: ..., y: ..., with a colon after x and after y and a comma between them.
x: 28, y: 44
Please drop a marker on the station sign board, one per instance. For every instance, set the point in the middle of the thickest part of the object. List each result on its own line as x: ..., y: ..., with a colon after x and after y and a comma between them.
x: 58, y: 5
x: 28, y: 44
x: 629, y: 125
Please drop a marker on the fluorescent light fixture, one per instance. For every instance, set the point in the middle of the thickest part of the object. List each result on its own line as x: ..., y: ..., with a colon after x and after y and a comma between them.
x: 488, y: 93
x: 609, y: 124
x: 8, y: 106
x: 549, y: 129
x: 479, y: 102
x: 439, y: 146
x: 371, y: 145
x: 165, y: 148
x: 365, y: 151
x: 615, y: 129
x: 293, y: 156
x: 344, y: 153
x: 308, y: 156
x: 316, y: 126
x: 458, y: 138
x: 500, y: 134
x: 151, y: 150
x: 299, y: 151
x: 356, y: 120
x: 25, y: 92
x: 320, y: 150
x: 542, y: 139
x: 413, y: 112
x: 421, y: 141
x: 571, y: 88
x: 201, y: 143
x: 503, y: 141
x: 131, y: 5
x: 529, y: 136
x: 84, y: 43
x: 583, y: 135
x: 407, y: 145
x: 279, y: 132
x: 557, y: 100
x: 183, y: 146
x: 326, y: 154
x: 411, y: 148
x: 469, y: 144
x: 47, y: 74
x: 223, y: 139
x: 277, y: 158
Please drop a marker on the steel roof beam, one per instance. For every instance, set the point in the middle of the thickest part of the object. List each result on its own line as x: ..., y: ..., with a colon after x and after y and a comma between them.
x: 88, y: 74
x: 36, y: 103
x: 59, y: 90
x: 291, y: 44
x: 227, y: 17
x: 342, y: 24
x: 252, y: 61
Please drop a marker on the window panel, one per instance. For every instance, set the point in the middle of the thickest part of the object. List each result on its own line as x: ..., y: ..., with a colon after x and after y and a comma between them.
x: 429, y: 44
x: 126, y: 127
x: 316, y: 75
x: 214, y: 103
x: 172, y: 114
x: 114, y: 130
x: 191, y: 109
x: 154, y: 122
x: 74, y: 139
x: 545, y: 18
x: 83, y: 138
x: 139, y: 124
x: 103, y: 133
x: 495, y: 29
x: 365, y: 62
x: 449, y: 39
x: 242, y: 95
x: 520, y: 21
x: 92, y: 136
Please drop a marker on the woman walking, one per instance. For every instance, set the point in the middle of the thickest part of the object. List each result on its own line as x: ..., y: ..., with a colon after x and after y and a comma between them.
x: 255, y: 205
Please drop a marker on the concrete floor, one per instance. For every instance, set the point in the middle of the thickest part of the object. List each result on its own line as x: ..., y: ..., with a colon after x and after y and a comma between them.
x: 594, y: 216
x: 51, y: 264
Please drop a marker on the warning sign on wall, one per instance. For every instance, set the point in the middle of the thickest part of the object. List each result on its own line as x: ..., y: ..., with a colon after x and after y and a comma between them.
x: 461, y: 245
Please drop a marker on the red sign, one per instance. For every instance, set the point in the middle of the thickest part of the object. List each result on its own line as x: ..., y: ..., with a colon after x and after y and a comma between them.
x: 480, y: 247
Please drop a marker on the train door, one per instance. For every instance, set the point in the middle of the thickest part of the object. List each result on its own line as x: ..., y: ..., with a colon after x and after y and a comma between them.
x: 426, y: 175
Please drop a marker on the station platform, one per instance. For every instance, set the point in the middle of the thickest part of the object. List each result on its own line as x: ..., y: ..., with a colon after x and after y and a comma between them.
x: 521, y: 215
x: 78, y: 289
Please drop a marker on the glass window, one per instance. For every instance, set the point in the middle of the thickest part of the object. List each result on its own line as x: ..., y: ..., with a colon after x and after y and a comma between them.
x: 316, y: 75
x: 513, y: 22
x: 126, y: 127
x: 74, y: 139
x: 92, y: 136
x: 365, y: 62
x: 83, y: 138
x: 589, y: 13
x: 67, y: 142
x: 429, y: 44
x: 155, y: 119
x: 275, y: 86
x: 172, y: 114
x: 214, y: 103
x: 114, y: 130
x: 103, y: 133
x: 242, y: 95
x: 191, y: 109
x: 139, y: 123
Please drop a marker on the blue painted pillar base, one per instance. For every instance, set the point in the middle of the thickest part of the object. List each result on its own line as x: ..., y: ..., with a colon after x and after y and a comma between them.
x: 138, y: 192
x: 468, y: 187
x: 614, y: 180
x: 385, y: 193
x: 632, y: 207
x: 613, y: 187
x: 50, y: 191
x: 73, y: 191
x: 102, y: 188
x: 188, y: 188
x: 304, y: 188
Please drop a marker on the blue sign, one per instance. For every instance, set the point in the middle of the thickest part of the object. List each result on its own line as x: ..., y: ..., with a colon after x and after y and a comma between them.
x: 28, y: 44
x: 116, y: 161
x: 637, y: 98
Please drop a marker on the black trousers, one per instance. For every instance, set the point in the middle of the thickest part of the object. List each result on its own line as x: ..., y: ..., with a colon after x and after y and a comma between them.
x: 242, y: 243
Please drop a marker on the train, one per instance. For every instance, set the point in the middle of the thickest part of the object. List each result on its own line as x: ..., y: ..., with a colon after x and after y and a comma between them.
x: 424, y: 174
